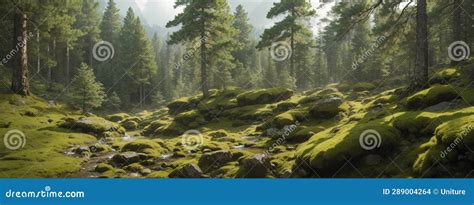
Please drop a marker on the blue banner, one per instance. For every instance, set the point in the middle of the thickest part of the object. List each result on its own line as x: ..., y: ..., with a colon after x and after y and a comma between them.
x: 236, y: 191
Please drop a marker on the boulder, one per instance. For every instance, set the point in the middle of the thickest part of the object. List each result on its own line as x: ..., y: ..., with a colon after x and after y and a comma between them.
x: 254, y: 166
x: 214, y: 159
x: 182, y: 105
x: 126, y: 158
x: 263, y: 96
x: 327, y: 108
x: 94, y: 125
x: 129, y: 125
x: 187, y: 171
x: 117, y: 117
x: 152, y: 127
x: 103, y: 167
x: 431, y: 96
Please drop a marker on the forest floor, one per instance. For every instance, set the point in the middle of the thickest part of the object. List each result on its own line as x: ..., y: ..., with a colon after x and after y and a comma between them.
x: 342, y: 130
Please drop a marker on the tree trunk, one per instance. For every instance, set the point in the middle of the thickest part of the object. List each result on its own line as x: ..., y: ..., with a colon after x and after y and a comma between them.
x: 420, y: 77
x: 457, y: 21
x: 68, y: 68
x: 38, y: 60
x: 204, y: 86
x: 20, y: 84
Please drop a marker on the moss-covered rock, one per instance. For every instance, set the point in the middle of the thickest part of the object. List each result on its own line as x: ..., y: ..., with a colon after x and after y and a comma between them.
x: 322, y: 94
x: 263, y: 96
x: 328, y: 150
x: 93, y: 125
x: 214, y: 160
x: 151, y: 129
x: 304, y: 134
x: 445, y: 76
x: 190, y: 118
x: 187, y: 171
x: 431, y: 96
x: 103, y: 167
x: 182, y: 105
x: 327, y: 108
x: 150, y: 147
x: 129, y: 124
x: 254, y: 166
x: 117, y: 117
x: 171, y: 129
x: 249, y: 113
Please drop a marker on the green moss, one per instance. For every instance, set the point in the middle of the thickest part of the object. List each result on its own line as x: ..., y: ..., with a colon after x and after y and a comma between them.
x: 150, y: 147
x: 363, y: 86
x: 327, y: 150
x: 153, y: 126
x: 263, y: 96
x: 103, y: 167
x: 304, y: 134
x: 252, y: 112
x: 186, y: 118
x: 431, y: 96
x: 45, y: 143
x: 323, y: 94
x: 460, y: 130
x: 117, y: 117
x: 158, y: 174
x: 445, y: 75
x: 96, y: 125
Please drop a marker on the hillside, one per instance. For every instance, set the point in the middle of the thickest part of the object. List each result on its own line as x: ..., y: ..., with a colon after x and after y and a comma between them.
x: 342, y: 130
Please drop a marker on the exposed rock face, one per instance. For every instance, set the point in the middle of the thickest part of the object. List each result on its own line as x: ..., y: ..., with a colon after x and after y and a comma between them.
x: 187, y: 171
x: 214, y: 159
x: 255, y: 166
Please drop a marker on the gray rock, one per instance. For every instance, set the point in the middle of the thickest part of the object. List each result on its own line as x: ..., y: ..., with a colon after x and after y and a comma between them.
x: 126, y: 158
x: 255, y: 166
x: 187, y: 171
x: 214, y: 159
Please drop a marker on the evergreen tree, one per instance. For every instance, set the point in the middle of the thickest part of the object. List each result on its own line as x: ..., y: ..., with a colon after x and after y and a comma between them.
x: 296, y: 11
x: 209, y: 22
x: 85, y: 91
x: 110, y: 27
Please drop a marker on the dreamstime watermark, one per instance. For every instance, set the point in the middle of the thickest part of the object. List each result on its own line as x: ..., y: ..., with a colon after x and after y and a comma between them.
x: 456, y: 142
x: 280, y: 51
x: 192, y: 139
x: 370, y: 139
x: 191, y: 52
x: 14, y: 139
x: 46, y: 193
x: 19, y: 45
x: 369, y: 52
x: 459, y: 51
x: 103, y: 50
x: 284, y: 133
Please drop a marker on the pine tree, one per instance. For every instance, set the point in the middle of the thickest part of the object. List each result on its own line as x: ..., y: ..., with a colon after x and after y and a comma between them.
x: 296, y: 11
x: 88, y: 23
x: 110, y: 27
x: 209, y: 23
x: 85, y: 91
x: 145, y: 67
x: 246, y: 49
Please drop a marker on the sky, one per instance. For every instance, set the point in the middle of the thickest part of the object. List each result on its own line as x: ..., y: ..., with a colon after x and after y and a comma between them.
x: 159, y: 12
